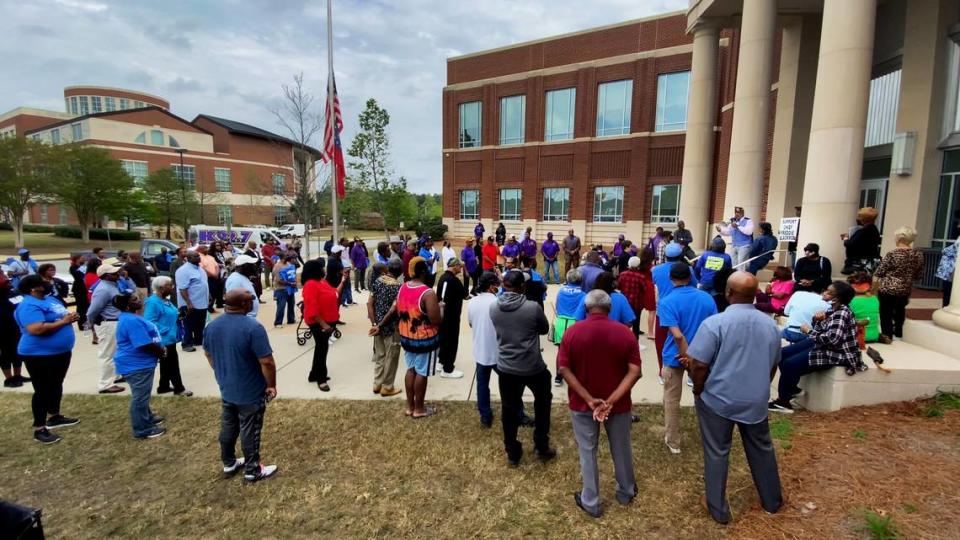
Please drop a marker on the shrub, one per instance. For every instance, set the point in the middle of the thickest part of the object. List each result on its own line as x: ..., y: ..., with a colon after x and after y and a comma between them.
x: 434, y: 227
x: 6, y: 227
x: 97, y: 234
x: 33, y: 227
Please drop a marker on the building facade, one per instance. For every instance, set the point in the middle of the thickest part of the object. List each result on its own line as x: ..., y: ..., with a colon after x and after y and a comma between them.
x: 243, y: 175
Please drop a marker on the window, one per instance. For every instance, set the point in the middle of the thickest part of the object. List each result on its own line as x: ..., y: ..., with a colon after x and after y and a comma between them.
x: 76, y: 131
x: 124, y: 104
x: 35, y: 136
x: 510, y: 204
x: 55, y: 136
x: 673, y: 90
x: 43, y: 213
x: 141, y: 138
x: 556, y: 204
x: 279, y: 183
x: 63, y: 215
x: 470, y: 204
x: 221, y: 179
x: 613, y: 108
x: 96, y: 104
x: 137, y: 104
x: 560, y: 114
x: 173, y: 142
x: 470, y: 124
x: 608, y: 204
x: 111, y: 103
x: 279, y: 215
x: 947, y: 221
x: 84, y: 105
x: 137, y: 170
x: 951, y: 122
x: 665, y: 207
x: 224, y: 214
x: 189, y: 175
x: 74, y: 108
x: 156, y: 137
x: 511, y: 119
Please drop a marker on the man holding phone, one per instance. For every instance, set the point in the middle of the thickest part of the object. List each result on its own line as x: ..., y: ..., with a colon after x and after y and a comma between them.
x: 740, y: 230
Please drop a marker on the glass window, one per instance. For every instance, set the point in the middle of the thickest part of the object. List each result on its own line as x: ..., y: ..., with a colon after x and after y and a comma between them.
x: 673, y: 90
x: 141, y: 138
x: 510, y: 204
x: 156, y: 137
x: 279, y: 183
x: 556, y: 204
x: 96, y: 104
x: 608, y: 204
x: 222, y: 180
x: 173, y: 142
x: 470, y: 204
x: 84, y: 105
x: 76, y: 131
x: 111, y: 103
x: 947, y: 223
x: 35, y: 136
x: 189, y: 175
x: 279, y: 215
x: 43, y: 213
x: 137, y: 104
x: 63, y: 215
x: 613, y: 108
x: 55, y: 136
x: 224, y: 214
x: 470, y: 124
x: 665, y: 207
x: 124, y: 104
x: 74, y: 108
x: 137, y: 170
x: 512, y: 119
x: 561, y: 105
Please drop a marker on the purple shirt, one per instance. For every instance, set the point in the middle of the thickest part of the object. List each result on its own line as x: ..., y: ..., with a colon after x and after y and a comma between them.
x: 511, y: 250
x: 550, y: 248
x: 478, y: 230
x: 358, y: 256
x: 469, y: 258
x: 529, y: 247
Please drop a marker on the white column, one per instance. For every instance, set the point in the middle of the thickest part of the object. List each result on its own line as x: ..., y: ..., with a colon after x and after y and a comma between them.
x: 835, y: 155
x: 751, y: 109
x: 699, y: 143
x: 949, y: 317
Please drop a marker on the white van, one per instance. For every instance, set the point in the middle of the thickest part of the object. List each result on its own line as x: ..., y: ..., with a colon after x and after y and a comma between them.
x: 238, y: 236
x: 292, y: 230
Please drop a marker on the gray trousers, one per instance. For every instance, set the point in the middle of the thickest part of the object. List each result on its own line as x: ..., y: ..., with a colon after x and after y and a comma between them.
x: 587, y: 433
x: 716, y: 432
x: 740, y: 254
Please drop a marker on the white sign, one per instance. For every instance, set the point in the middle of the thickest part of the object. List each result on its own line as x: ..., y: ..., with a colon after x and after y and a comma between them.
x: 789, y: 226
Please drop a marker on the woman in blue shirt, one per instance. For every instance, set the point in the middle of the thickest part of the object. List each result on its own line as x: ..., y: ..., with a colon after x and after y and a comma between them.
x: 46, y: 344
x: 709, y: 263
x: 138, y: 347
x: 159, y: 310
x: 620, y: 309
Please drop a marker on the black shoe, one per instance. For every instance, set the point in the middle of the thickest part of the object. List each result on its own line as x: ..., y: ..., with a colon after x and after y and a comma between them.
x: 188, y: 348
x: 527, y: 421
x: 120, y: 379
x: 60, y: 420
x: 12, y: 382
x: 778, y: 407
x: 514, y: 457
x: 44, y: 436
x: 623, y: 499
x: 591, y: 513
x: 22, y: 379
x: 164, y: 390
x: 157, y: 420
x: 558, y: 381
x: 153, y: 433
x: 874, y: 355
x: 486, y: 422
x: 545, y: 454
x: 634, y: 418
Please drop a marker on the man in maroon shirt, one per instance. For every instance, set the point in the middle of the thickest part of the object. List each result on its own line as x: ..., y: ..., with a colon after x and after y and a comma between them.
x: 599, y: 391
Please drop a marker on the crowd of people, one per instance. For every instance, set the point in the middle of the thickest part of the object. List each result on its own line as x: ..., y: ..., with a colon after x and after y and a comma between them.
x: 712, y: 328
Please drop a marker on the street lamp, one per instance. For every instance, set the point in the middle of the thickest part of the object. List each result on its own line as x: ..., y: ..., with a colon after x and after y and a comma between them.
x: 183, y: 188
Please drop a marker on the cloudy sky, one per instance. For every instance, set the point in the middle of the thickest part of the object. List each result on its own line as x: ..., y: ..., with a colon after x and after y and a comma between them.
x: 229, y: 57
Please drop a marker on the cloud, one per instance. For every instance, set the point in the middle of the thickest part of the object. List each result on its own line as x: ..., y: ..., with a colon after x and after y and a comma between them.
x: 230, y: 58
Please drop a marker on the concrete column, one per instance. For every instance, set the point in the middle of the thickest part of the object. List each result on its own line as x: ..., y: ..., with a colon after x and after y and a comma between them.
x: 700, y: 137
x: 949, y: 317
x: 835, y: 153
x: 751, y: 109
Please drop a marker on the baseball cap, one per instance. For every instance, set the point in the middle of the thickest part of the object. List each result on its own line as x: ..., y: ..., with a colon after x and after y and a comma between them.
x: 23, y: 251
x: 395, y: 240
x: 673, y: 249
x: 107, y: 269
x: 680, y: 270
x: 244, y: 259
x: 634, y: 262
x: 454, y: 261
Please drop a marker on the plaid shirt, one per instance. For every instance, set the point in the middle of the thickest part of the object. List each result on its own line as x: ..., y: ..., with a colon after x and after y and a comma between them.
x: 630, y: 283
x: 835, y: 339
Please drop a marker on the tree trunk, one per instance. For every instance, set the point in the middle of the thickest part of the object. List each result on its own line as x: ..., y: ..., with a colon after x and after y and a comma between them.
x: 85, y: 231
x: 17, y: 230
x: 169, y: 219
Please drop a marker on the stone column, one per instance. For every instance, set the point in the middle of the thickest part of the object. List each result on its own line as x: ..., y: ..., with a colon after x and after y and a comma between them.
x: 835, y: 152
x: 700, y: 137
x: 751, y: 109
x: 949, y: 317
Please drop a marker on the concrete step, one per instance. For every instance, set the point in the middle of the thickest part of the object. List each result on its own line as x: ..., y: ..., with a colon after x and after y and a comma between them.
x: 916, y: 372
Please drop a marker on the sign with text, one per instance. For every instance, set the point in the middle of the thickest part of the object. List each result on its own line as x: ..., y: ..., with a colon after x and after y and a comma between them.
x: 789, y: 226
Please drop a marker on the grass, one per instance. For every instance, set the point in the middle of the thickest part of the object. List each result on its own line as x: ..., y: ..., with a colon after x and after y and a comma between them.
x: 878, y: 527
x: 48, y: 244
x: 781, y: 430
x: 859, y: 434
x: 942, y: 401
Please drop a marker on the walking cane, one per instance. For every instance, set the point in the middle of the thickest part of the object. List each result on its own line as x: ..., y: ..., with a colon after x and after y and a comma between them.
x: 473, y: 380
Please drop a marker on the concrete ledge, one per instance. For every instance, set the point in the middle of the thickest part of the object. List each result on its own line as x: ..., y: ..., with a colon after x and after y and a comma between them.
x: 930, y: 336
x: 916, y: 372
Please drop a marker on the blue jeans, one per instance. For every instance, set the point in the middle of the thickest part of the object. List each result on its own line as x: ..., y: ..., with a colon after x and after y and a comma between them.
x: 346, y: 295
x: 795, y: 363
x: 793, y: 336
x: 483, y: 393
x: 141, y: 417
x: 555, y: 265
x: 284, y: 301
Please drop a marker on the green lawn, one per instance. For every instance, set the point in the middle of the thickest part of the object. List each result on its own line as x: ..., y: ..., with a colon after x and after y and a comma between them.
x: 48, y: 244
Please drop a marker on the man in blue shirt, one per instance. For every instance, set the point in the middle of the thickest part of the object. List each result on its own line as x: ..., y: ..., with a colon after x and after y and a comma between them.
x: 673, y: 252
x: 681, y: 313
x: 731, y: 377
x: 194, y: 294
x: 238, y: 350
x: 244, y: 270
x: 430, y: 257
x: 589, y: 270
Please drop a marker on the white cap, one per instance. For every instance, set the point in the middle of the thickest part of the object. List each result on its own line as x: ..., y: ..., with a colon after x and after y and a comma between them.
x: 336, y: 249
x: 634, y: 262
x: 244, y: 259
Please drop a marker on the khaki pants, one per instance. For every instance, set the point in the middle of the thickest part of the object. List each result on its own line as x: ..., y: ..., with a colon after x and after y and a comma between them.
x: 106, y: 335
x: 672, y: 389
x: 386, y: 356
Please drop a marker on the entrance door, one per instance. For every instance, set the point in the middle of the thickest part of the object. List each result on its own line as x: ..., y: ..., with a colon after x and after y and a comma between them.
x: 874, y: 193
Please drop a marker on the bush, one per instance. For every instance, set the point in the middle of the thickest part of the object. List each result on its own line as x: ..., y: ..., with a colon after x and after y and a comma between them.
x: 33, y: 227
x: 97, y: 234
x: 6, y: 227
x: 434, y: 227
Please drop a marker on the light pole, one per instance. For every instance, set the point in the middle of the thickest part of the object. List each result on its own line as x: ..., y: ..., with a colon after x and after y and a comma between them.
x: 183, y: 190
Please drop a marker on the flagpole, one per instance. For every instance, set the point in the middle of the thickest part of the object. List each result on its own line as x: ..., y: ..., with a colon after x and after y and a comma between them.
x: 332, y: 122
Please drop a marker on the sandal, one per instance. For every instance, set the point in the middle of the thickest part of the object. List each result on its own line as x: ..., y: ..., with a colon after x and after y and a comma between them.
x: 324, y: 387
x: 428, y: 411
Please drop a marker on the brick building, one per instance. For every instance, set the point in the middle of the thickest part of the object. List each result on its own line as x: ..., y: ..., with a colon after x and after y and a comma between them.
x: 243, y: 174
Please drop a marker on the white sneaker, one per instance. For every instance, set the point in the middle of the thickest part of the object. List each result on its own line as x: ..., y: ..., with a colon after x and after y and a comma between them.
x: 266, y: 471
x: 659, y: 378
x: 332, y: 340
x: 643, y: 347
x: 455, y: 374
x: 237, y: 465
x: 673, y: 450
x: 689, y: 382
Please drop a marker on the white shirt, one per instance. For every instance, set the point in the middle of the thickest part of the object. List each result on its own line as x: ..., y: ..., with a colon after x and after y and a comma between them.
x: 236, y: 280
x: 446, y: 254
x: 484, y: 334
x: 345, y: 259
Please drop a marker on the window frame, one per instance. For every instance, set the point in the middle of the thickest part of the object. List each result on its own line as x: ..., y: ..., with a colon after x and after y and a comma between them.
x: 224, y: 213
x: 189, y: 179
x: 602, y: 99
x: 518, y: 215
x: 660, y: 123
x: 96, y: 104
x: 506, y: 106
x: 550, y: 99
x: 154, y: 135
x: 84, y: 105
x: 279, y: 218
x: 55, y: 136
x: 76, y: 131
x: 550, y: 216
x: 656, y: 215
x: 460, y: 129
x: 109, y: 103
x: 217, y: 180
x: 598, y: 202
x: 476, y: 205
x: 44, y: 214
x: 279, y: 188
x: 132, y: 168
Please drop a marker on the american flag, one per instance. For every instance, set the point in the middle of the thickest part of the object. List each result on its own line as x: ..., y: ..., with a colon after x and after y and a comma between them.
x: 332, y: 149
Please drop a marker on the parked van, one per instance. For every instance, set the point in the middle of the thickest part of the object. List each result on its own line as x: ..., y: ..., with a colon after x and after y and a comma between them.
x: 238, y: 236
x: 292, y: 230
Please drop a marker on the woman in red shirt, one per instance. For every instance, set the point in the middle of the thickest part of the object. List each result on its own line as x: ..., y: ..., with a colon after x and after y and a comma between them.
x: 321, y: 312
